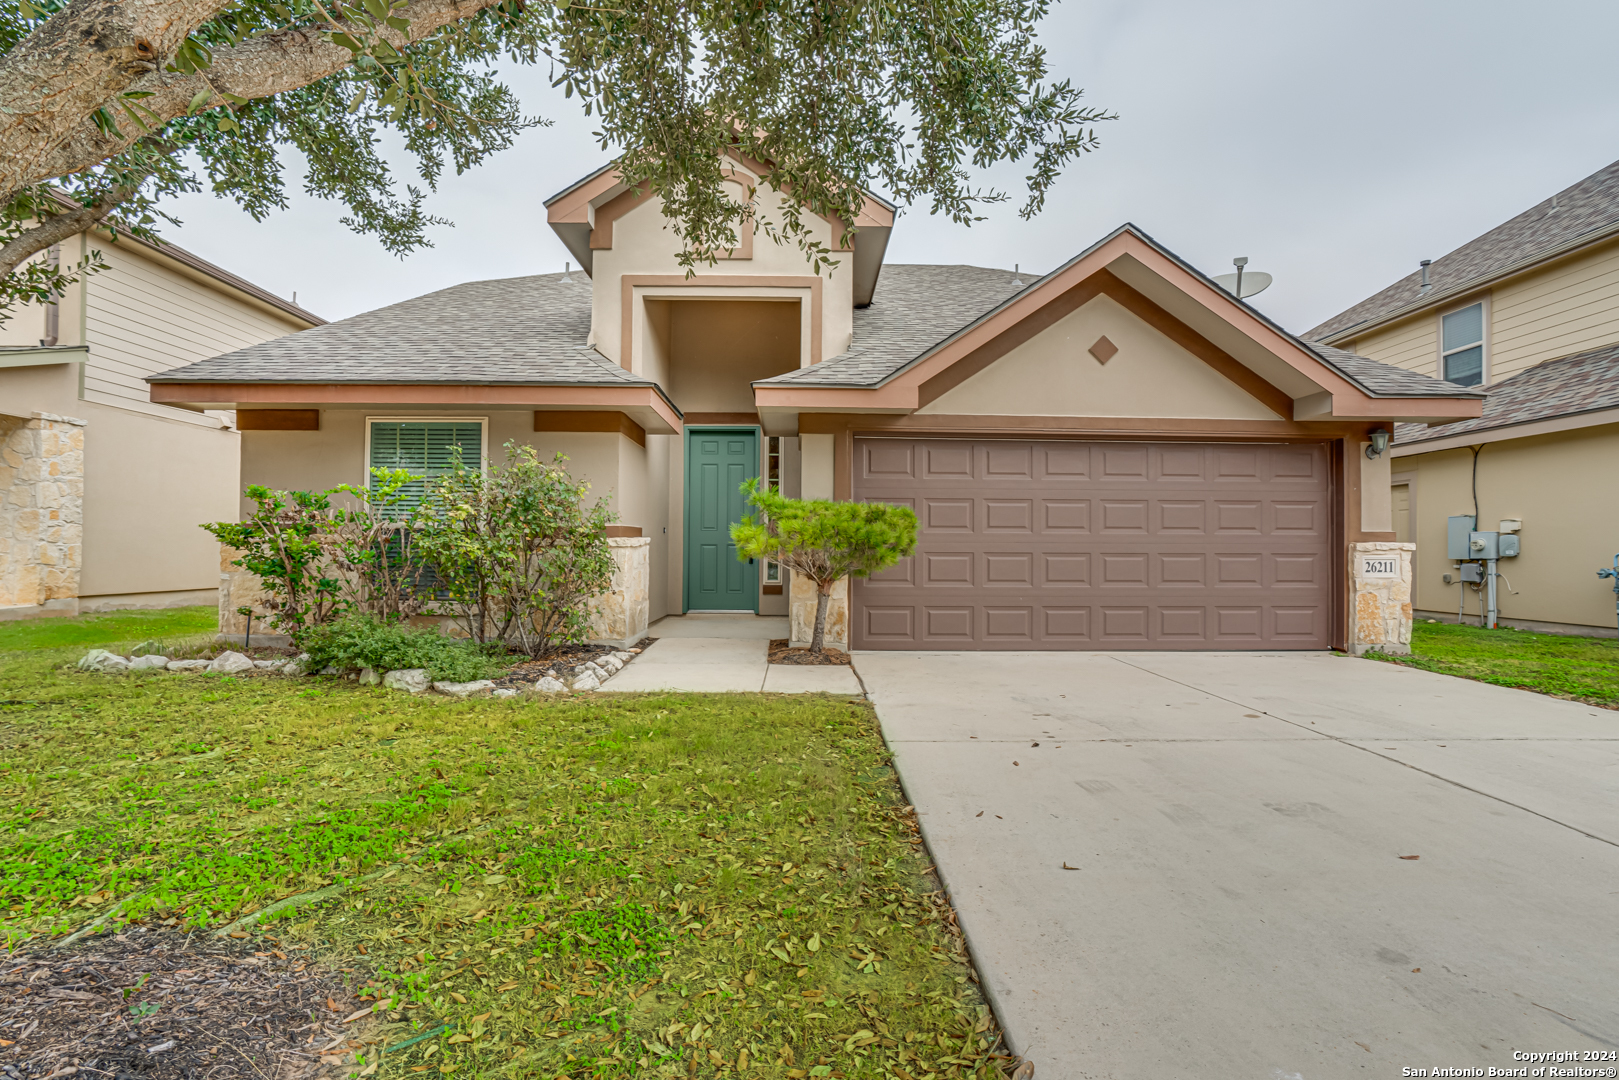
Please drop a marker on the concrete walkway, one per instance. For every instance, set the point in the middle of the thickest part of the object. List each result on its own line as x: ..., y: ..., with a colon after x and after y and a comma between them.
x: 724, y: 653
x: 1241, y: 901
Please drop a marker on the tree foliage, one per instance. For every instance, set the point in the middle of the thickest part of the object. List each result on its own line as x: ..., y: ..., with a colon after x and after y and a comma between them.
x: 517, y: 553
x: 824, y: 541
x: 107, y: 109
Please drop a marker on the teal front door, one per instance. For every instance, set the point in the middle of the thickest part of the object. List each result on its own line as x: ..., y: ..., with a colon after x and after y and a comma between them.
x: 717, y: 464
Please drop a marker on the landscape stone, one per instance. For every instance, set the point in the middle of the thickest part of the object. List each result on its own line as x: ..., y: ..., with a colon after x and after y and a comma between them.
x: 623, y: 656
x: 611, y: 664
x: 369, y: 677
x: 465, y: 689
x: 189, y: 665
x: 504, y: 692
x: 149, y: 663
x: 410, y: 680
x: 549, y: 685
x: 230, y: 663
x: 298, y: 665
x: 100, y: 660
x: 270, y: 665
x: 587, y: 681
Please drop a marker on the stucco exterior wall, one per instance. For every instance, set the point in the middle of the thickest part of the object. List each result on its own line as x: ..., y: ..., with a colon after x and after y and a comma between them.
x: 643, y: 244
x: 1565, y: 489
x: 717, y: 348
x: 148, y: 481
x: 318, y: 460
x: 1055, y: 374
x: 1556, y: 310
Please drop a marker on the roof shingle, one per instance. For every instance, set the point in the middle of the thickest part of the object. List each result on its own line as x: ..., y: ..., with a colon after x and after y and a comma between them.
x: 1590, y: 207
x: 528, y: 330
x: 1584, y: 382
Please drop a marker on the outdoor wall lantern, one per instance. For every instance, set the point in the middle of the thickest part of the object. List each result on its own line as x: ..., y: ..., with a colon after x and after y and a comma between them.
x: 1380, y: 443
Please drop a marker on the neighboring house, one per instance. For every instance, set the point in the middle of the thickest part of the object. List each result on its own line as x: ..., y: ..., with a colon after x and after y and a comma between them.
x: 1116, y: 455
x: 102, y: 490
x: 1529, y: 311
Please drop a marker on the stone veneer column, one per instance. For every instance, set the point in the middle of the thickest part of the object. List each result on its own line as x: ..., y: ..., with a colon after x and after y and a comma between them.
x: 41, y: 512
x: 619, y: 617
x: 240, y: 588
x: 1380, y: 597
x: 801, y: 614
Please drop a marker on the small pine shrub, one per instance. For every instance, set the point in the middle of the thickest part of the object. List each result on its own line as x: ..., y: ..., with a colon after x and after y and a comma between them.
x: 362, y: 642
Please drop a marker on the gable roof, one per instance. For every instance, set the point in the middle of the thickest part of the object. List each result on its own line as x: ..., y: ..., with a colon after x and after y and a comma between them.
x: 922, y: 309
x: 1574, y: 217
x: 528, y: 330
x: 1583, y: 383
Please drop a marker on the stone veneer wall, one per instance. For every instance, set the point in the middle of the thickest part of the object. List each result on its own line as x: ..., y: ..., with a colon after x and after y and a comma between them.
x: 1380, y: 605
x: 41, y: 511
x: 240, y: 588
x: 620, y: 616
x: 801, y: 614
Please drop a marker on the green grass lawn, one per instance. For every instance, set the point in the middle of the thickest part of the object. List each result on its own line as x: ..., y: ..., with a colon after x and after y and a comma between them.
x: 1581, y: 668
x: 654, y: 885
x: 128, y: 627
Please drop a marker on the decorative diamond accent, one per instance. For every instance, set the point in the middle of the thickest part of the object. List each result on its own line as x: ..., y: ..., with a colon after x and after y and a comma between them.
x: 1104, y: 350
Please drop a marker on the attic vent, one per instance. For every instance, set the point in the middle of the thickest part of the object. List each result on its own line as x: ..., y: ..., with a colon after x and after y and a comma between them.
x: 1104, y: 350
x: 1426, y: 284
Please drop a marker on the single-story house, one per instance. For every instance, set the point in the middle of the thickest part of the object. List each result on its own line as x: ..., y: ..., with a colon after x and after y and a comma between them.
x: 1116, y: 455
x: 101, y: 488
x: 1529, y: 313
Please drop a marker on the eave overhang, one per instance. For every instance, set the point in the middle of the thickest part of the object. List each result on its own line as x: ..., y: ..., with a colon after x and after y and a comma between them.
x: 645, y: 404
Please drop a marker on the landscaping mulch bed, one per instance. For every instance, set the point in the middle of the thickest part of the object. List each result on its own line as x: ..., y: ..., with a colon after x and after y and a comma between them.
x: 159, y: 1004
x: 559, y: 662
x: 781, y: 654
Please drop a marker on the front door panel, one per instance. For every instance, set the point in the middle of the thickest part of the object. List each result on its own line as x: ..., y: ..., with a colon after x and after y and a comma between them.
x: 717, y: 464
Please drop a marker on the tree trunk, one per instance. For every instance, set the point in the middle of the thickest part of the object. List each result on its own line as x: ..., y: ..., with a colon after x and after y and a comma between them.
x: 47, y: 135
x: 818, y: 640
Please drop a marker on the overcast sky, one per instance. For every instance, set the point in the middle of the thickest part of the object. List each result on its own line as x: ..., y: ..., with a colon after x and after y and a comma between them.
x: 1333, y: 143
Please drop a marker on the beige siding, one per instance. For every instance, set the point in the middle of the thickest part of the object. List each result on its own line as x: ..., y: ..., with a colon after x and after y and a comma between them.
x: 1564, y: 309
x: 144, y: 317
x: 1413, y: 345
x: 1568, y: 307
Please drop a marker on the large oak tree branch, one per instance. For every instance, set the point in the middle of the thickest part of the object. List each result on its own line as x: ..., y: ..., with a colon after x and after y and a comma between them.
x: 74, y: 63
x: 260, y: 67
x: 56, y: 229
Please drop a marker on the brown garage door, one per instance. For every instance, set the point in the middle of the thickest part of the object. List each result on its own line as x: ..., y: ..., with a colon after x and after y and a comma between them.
x: 1108, y: 545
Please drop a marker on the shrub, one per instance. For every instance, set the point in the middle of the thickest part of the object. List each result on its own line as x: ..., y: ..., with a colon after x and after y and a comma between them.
x: 516, y: 551
x: 281, y: 542
x: 824, y: 540
x: 359, y: 641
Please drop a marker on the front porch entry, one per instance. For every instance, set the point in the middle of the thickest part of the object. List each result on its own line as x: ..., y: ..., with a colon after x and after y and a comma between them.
x: 718, y: 462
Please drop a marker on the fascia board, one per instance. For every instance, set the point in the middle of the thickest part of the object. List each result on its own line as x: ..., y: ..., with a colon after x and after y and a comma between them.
x: 44, y: 356
x: 1507, y: 432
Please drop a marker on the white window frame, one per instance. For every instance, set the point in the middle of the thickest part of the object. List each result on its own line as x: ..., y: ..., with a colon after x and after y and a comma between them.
x: 1483, y: 303
x: 446, y: 418
x: 771, y: 572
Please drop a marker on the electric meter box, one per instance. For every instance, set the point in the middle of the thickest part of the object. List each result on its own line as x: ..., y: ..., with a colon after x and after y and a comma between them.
x: 1484, y: 545
x: 1458, y: 533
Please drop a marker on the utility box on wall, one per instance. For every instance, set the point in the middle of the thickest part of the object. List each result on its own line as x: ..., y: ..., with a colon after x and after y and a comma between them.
x: 1458, y: 534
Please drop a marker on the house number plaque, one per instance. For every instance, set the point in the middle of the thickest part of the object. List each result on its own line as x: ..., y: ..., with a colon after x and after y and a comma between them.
x: 1380, y: 567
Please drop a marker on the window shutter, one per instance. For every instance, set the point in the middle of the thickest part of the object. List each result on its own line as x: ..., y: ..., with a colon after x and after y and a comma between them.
x: 426, y: 449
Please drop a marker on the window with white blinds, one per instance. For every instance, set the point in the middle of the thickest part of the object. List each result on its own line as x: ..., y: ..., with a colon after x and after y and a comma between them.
x: 425, y: 447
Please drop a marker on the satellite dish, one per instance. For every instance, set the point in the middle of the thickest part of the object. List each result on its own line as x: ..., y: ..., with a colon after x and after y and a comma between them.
x: 1253, y: 282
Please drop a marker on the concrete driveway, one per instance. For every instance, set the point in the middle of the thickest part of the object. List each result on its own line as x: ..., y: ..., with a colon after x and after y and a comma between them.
x: 1242, y: 904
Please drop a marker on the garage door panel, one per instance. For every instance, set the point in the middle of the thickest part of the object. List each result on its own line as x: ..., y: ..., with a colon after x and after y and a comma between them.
x: 1052, y: 545
x: 946, y: 515
x: 1067, y: 515
x: 888, y: 459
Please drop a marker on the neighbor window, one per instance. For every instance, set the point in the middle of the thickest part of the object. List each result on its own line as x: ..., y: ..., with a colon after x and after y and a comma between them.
x: 1461, y: 346
x: 425, y: 447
